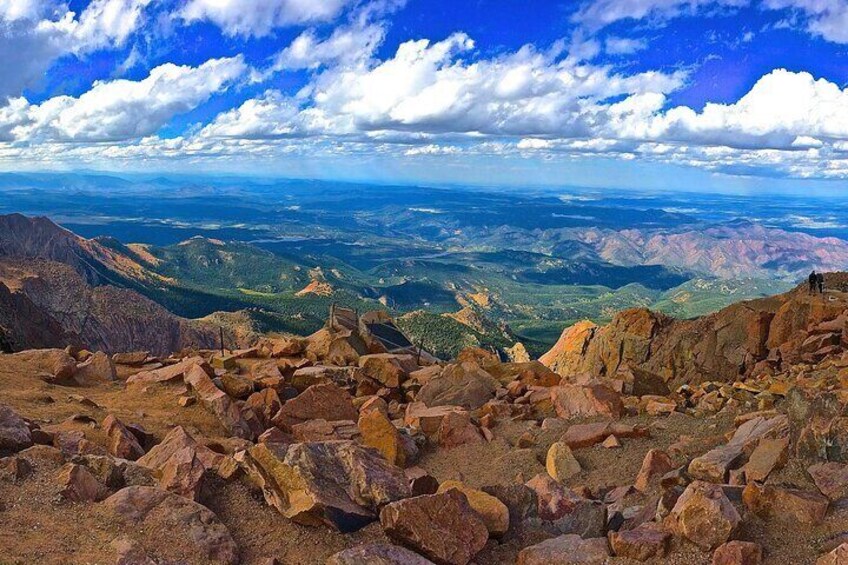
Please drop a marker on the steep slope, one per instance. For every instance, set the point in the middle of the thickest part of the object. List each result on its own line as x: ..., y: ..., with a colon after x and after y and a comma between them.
x: 59, y: 289
x: 744, y: 339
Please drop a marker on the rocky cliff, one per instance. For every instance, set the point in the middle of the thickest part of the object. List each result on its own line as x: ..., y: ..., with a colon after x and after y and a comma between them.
x: 746, y: 338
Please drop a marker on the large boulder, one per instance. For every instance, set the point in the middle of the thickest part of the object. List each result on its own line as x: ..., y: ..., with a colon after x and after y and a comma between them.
x: 463, y: 384
x: 321, y: 401
x: 380, y: 433
x: 443, y: 527
x: 337, y: 483
x: 564, y: 511
x: 704, y: 515
x: 152, y: 508
x: 14, y: 432
x: 99, y: 368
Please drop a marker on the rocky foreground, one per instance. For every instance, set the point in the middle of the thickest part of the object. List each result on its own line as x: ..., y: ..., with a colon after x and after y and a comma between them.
x: 328, y: 449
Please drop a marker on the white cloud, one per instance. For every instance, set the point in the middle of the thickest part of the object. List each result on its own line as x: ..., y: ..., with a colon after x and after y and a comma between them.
x: 825, y: 18
x: 35, y: 33
x: 119, y: 109
x: 347, y: 45
x: 624, y: 46
x: 258, y: 18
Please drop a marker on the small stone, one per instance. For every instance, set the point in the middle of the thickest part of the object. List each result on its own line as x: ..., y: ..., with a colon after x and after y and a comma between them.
x: 611, y: 443
x: 122, y: 443
x: 561, y: 463
x: 738, y: 553
x: 186, y: 401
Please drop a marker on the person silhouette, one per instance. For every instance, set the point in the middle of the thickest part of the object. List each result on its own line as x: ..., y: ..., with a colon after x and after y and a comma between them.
x: 820, y: 282
x: 813, y: 280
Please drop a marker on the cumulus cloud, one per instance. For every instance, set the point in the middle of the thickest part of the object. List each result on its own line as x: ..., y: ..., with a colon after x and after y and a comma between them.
x: 119, y: 109
x: 624, y: 45
x: 258, y: 18
x: 347, y: 45
x: 429, y: 88
x: 35, y: 33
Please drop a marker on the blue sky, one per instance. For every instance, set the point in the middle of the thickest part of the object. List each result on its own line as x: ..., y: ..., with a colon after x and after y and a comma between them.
x: 703, y: 94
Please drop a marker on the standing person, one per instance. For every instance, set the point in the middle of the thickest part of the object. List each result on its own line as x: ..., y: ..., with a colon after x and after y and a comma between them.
x: 813, y: 280
x: 820, y: 282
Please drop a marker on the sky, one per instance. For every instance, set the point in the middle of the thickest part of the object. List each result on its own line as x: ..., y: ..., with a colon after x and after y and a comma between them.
x: 739, y: 95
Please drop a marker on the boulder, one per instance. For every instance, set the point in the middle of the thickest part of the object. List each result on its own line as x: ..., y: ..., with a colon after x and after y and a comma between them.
x: 55, y: 365
x: 785, y: 504
x: 637, y: 381
x: 379, y: 432
x: 337, y: 483
x: 219, y: 403
x: 463, y: 384
x: 831, y: 479
x: 584, y: 401
x: 704, y: 515
x: 131, y: 358
x: 494, y: 513
x: 99, y: 368
x: 236, y: 385
x: 265, y: 405
x: 183, y: 474
x: 149, y: 507
x: 561, y: 463
x: 428, y: 420
x: 442, y: 527
x: 456, y: 429
x: 320, y: 401
x: 168, y: 373
x: 566, y: 550
x: 377, y: 554
x: 648, y: 541
x: 390, y: 370
x: 14, y: 433
x: 79, y: 485
x: 122, y: 443
x: 656, y: 464
x: 770, y: 454
x: 738, y: 553
x: 566, y: 512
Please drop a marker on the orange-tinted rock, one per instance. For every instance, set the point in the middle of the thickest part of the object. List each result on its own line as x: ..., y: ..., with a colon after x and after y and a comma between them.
x: 99, y: 368
x: 785, y: 504
x: 648, y: 541
x: 567, y: 549
x: 494, y: 513
x: 456, y: 429
x: 387, y: 369
x: 141, y: 507
x: 656, y: 464
x: 183, y: 474
x: 265, y: 405
x: 576, y: 401
x: 122, y: 442
x: 428, y: 420
x: 321, y: 401
x: 336, y: 483
x: 462, y: 384
x: 79, y: 485
x: 322, y: 430
x: 379, y: 432
x: 167, y: 373
x: 565, y: 510
x: 219, y: 403
x: 442, y: 527
x: 704, y: 515
x: 831, y: 479
x: 770, y: 454
x: 738, y: 553
x: 236, y: 385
